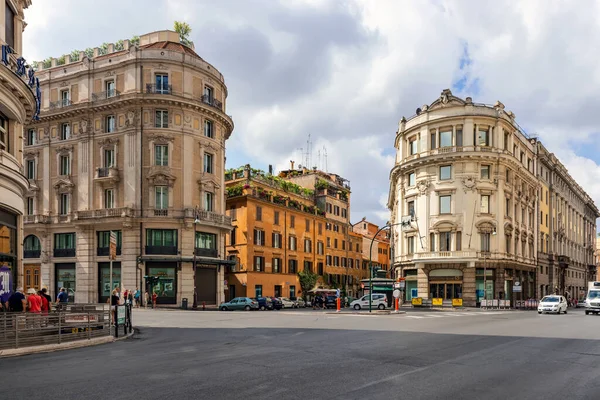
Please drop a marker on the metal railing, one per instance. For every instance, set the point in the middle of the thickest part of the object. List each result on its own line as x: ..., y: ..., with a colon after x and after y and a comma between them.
x: 64, y: 252
x: 60, y: 103
x: 157, y: 250
x: 32, y: 253
x: 107, y: 94
x: 71, y: 323
x: 211, y: 101
x: 159, y: 89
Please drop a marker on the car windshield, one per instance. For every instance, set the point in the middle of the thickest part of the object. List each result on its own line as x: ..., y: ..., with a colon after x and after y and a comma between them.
x: 550, y: 300
x: 594, y: 294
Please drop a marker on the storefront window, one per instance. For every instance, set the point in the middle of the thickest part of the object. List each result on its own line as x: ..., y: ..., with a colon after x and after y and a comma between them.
x: 166, y: 287
x: 8, y: 245
x: 489, y: 284
x: 104, y: 279
x: 65, y: 277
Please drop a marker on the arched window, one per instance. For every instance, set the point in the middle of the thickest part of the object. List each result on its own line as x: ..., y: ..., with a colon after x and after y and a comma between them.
x: 32, y: 247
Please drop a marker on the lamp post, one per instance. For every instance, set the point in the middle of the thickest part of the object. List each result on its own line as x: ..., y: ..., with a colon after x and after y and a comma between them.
x: 196, y: 222
x: 386, y: 226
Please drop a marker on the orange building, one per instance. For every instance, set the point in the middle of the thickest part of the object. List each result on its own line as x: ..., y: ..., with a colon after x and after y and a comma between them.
x: 284, y: 224
x: 380, y: 256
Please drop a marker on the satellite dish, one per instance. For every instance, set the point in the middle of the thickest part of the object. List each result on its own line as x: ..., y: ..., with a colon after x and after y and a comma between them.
x: 418, y: 111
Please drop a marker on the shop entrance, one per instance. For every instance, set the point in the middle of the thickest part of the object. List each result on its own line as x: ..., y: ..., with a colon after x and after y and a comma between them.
x: 446, y: 284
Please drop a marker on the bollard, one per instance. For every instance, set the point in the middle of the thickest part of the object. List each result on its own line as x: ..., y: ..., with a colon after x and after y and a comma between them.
x: 337, y: 304
x: 397, y: 301
x: 203, y: 306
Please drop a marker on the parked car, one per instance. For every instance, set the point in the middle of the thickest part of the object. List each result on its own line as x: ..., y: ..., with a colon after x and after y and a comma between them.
x: 277, y: 305
x: 299, y: 302
x: 239, y: 303
x: 287, y: 303
x: 349, y: 300
x: 331, y: 301
x: 555, y: 304
x: 264, y: 303
x: 378, y: 300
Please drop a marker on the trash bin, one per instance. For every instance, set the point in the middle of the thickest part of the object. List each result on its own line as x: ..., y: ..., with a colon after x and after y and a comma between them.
x: 184, y: 303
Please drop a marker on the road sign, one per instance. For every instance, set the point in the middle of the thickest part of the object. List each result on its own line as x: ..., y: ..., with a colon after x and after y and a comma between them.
x: 517, y: 287
x: 113, y: 245
x: 396, y: 293
x: 396, y: 285
x: 402, y: 284
x: 120, y: 315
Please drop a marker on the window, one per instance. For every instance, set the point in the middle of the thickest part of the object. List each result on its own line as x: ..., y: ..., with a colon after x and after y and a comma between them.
x: 161, y: 119
x: 276, y: 218
x: 65, y: 165
x: 161, y: 197
x: 320, y: 228
x: 276, y: 238
x: 110, y: 88
x: 343, y: 245
x: 276, y: 266
x: 483, y: 138
x: 232, y: 236
x: 64, y: 204
x: 258, y: 213
x: 485, y: 242
x: 412, y: 179
x: 162, y: 84
x: 292, y: 242
x: 207, y: 241
x: 292, y: 266
x: 508, y: 240
x: 109, y: 158
x: 292, y: 221
x: 412, y: 145
x: 458, y: 241
x: 410, y: 244
x: 433, y: 141
x: 257, y: 291
x: 446, y: 139
x: 445, y: 241
x: 259, y: 237
x: 507, y: 208
x: 411, y: 208
x: 292, y: 291
x: 546, y: 197
x: 31, y: 136
x: 445, y: 202
x: 320, y: 249
x: 109, y: 198
x: 259, y: 264
x: 307, y: 246
x: 208, y: 94
x: 208, y: 163
x: 104, y: 240
x: 161, y: 155
x: 30, y: 208
x: 328, y: 242
x: 459, y: 137
x: 484, y: 207
x: 432, y: 242
x: 344, y: 213
x: 336, y: 261
x: 307, y: 225
x: 485, y: 172
x: 65, y: 131
x: 9, y: 22
x: 208, y: 129
x: 335, y: 243
x: 209, y: 201
x: 546, y: 220
x: 3, y: 131
x: 30, y: 169
x: 109, y: 123
x: 161, y: 237
x: 64, y: 240
x: 445, y: 172
x: 506, y: 137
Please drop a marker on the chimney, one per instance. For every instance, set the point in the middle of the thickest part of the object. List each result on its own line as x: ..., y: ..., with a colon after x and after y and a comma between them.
x: 292, y: 163
x: 270, y: 169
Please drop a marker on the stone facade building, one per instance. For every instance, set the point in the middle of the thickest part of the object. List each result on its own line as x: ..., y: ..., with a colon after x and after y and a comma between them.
x: 131, y: 140
x: 17, y: 107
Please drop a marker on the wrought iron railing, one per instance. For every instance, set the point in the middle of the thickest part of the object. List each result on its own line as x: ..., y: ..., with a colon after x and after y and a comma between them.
x: 32, y: 253
x: 64, y: 252
x: 103, y: 172
x: 60, y: 103
x: 206, y: 252
x: 211, y: 101
x: 105, y: 251
x: 166, y: 250
x: 158, y: 89
x: 107, y: 94
x: 161, y: 212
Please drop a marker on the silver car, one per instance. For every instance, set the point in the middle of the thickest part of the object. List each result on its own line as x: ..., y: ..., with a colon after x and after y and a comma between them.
x: 299, y: 303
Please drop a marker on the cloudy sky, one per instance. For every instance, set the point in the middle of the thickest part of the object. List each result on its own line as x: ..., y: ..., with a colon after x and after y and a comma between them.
x: 344, y: 72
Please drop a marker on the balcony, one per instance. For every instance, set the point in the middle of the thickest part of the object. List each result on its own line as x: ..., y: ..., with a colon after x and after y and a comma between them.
x: 105, y: 251
x: 64, y: 252
x: 60, y: 103
x: 162, y: 212
x: 158, y: 89
x: 104, y: 213
x: 163, y: 250
x: 32, y: 253
x: 206, y: 252
x: 107, y: 94
x: 208, y: 216
x: 36, y: 219
x: 440, y: 255
x: 107, y: 175
x: 212, y: 102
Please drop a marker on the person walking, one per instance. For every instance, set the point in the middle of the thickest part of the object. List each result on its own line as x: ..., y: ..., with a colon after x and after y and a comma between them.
x: 17, y: 302
x: 44, y: 294
x: 146, y: 299
x: 136, y: 297
x: 34, y: 301
x: 154, y: 299
x: 114, y: 302
x: 62, y: 299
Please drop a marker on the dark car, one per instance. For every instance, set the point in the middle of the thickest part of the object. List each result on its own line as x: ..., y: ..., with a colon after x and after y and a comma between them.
x: 331, y: 302
x: 264, y: 303
x: 277, y: 304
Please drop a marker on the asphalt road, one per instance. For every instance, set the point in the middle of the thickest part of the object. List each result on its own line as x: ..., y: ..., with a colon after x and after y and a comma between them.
x: 318, y: 355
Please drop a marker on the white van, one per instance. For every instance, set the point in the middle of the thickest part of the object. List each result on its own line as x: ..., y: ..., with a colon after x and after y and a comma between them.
x: 592, y: 300
x: 378, y: 300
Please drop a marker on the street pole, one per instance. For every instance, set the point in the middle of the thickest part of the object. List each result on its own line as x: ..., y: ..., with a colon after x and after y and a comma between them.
x: 195, y: 301
x: 485, y: 278
x: 388, y: 225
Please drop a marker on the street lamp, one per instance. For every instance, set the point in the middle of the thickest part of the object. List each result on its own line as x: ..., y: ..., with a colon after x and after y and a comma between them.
x: 386, y: 226
x: 196, y: 222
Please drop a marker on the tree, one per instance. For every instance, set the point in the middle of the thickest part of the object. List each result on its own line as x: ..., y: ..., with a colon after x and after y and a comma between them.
x: 308, y: 280
x: 184, y: 30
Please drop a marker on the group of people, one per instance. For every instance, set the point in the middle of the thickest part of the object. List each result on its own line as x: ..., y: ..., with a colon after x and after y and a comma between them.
x: 36, y: 301
x: 132, y: 297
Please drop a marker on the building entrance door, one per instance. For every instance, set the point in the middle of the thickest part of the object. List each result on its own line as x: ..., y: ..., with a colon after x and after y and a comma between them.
x: 446, y: 290
x: 32, y: 277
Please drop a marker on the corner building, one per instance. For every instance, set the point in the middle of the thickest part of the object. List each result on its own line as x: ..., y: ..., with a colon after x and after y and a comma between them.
x: 17, y: 108
x: 465, y: 186
x: 131, y: 139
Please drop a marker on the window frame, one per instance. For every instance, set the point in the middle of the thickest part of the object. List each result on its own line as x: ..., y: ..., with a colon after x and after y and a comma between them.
x: 163, y: 195
x: 109, y: 198
x: 449, y: 197
x: 209, y: 129
x: 161, y: 119
x: 110, y: 124
x: 161, y: 158
x: 488, y: 169
x: 486, y: 209
x: 441, y: 169
x: 64, y: 164
x: 208, y: 163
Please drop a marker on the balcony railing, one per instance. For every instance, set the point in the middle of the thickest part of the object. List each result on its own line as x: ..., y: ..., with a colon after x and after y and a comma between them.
x: 107, y: 94
x: 36, y: 219
x: 60, y: 103
x: 64, y: 252
x: 437, y: 255
x: 208, y: 216
x: 166, y: 250
x: 161, y: 212
x: 105, y: 213
x: 158, y: 89
x: 211, y: 101
x: 206, y: 252
x: 32, y: 253
x: 107, y: 173
x: 105, y: 251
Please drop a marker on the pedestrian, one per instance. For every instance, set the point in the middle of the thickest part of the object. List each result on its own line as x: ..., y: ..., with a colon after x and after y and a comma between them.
x: 62, y: 299
x: 154, y: 299
x: 126, y: 295
x: 34, y: 301
x: 130, y: 298
x: 114, y: 302
x: 146, y: 299
x: 44, y: 294
x: 17, y: 302
x: 136, y: 297
x: 45, y: 306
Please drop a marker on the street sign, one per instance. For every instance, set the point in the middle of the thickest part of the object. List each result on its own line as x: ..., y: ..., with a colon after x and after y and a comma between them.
x: 437, y: 301
x: 402, y: 284
x: 121, y: 315
x: 397, y: 285
x: 396, y: 293
x: 517, y: 287
x: 113, y: 245
x: 417, y: 301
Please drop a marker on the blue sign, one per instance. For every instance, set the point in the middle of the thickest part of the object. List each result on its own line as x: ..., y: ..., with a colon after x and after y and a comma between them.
x: 5, y: 283
x: 24, y: 71
x: 6, y: 50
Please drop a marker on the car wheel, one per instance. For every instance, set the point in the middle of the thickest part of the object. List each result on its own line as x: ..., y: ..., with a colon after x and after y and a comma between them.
x: 539, y: 312
x: 565, y: 310
x: 262, y: 308
x: 587, y: 312
x: 247, y: 308
x: 223, y: 308
x: 357, y: 307
x: 381, y: 307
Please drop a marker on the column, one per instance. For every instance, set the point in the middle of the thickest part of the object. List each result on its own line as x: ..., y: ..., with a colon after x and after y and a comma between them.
x: 85, y: 274
x: 187, y: 164
x: 131, y: 168
x: 130, y: 250
x: 422, y: 281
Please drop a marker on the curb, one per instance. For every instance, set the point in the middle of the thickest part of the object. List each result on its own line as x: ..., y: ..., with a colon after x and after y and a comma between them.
x: 366, y: 313
x: 48, y: 348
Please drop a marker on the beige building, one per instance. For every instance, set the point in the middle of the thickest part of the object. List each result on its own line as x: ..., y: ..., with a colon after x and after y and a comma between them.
x: 18, y: 106
x: 131, y: 140
x: 566, y: 251
x: 464, y: 195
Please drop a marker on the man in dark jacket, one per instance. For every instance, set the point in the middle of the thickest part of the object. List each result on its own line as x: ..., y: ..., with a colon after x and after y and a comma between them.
x: 16, y: 301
